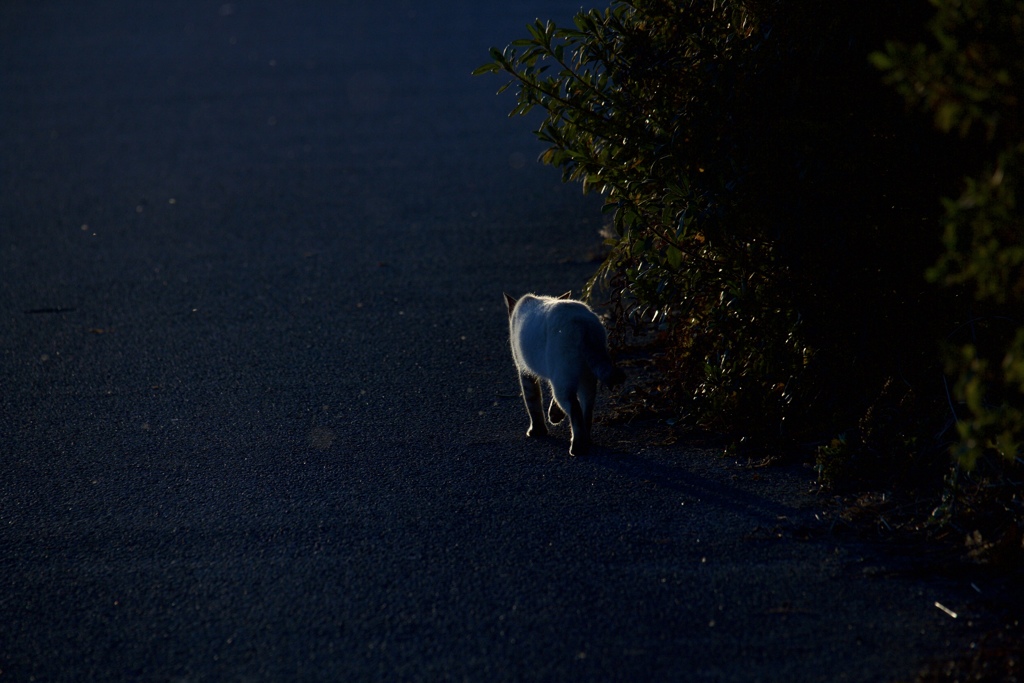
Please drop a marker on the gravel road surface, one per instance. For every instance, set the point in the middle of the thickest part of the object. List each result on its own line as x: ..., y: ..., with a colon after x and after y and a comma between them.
x: 258, y: 416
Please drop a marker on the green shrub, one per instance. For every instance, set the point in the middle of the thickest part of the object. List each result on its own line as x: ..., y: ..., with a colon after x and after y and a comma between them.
x: 970, y: 78
x: 775, y: 217
x: 648, y: 104
x: 768, y: 200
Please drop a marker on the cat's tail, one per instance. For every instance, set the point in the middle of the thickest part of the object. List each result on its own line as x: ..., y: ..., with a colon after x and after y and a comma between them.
x: 597, y: 359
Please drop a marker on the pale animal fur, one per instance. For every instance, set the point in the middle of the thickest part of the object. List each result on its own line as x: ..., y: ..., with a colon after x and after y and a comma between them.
x: 564, y: 343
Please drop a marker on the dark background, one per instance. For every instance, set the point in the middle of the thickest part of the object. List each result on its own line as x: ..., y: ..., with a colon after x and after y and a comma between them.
x: 258, y: 418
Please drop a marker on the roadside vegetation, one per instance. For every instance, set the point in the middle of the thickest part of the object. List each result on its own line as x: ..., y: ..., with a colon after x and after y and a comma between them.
x: 813, y: 227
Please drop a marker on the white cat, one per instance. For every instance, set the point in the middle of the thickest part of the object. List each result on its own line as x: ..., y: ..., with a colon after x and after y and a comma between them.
x: 561, y: 341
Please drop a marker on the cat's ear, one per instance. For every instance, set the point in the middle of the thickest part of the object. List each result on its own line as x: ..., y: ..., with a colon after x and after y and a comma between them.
x: 510, y: 302
x: 567, y: 295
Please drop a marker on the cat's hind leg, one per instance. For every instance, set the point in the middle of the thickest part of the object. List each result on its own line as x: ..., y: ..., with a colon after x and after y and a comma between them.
x: 555, y: 412
x: 534, y: 404
x: 566, y: 396
x: 587, y: 394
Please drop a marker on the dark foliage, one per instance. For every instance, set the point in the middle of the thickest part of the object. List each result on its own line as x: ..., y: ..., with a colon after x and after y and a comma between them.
x: 775, y: 208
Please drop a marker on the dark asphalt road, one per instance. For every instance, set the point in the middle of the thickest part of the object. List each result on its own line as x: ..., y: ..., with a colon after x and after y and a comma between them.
x: 255, y: 412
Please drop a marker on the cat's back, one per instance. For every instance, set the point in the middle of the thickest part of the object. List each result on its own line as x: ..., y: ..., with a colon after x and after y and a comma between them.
x: 550, y: 317
x: 552, y: 309
x: 553, y: 336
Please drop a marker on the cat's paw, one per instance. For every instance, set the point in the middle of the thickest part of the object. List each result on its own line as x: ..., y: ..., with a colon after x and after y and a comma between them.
x: 536, y: 431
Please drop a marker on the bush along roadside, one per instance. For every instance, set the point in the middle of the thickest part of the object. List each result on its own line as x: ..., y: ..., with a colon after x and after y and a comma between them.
x: 641, y: 103
x: 970, y: 78
x: 774, y: 209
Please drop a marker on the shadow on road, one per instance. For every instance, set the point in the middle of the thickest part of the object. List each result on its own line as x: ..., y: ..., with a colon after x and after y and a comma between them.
x: 694, y: 487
